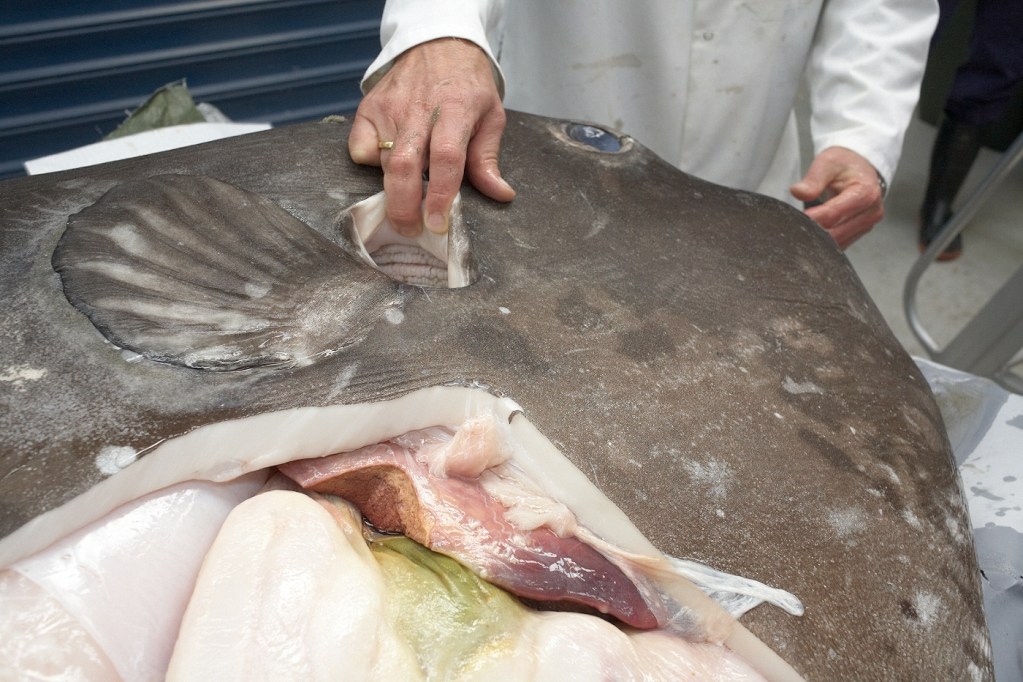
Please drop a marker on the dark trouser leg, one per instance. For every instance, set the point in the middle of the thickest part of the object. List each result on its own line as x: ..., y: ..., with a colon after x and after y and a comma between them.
x: 981, y: 92
x: 984, y: 84
x: 955, y: 148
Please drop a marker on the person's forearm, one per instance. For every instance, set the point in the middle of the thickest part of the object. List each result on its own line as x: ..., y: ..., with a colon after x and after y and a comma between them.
x: 407, y: 23
x: 864, y: 75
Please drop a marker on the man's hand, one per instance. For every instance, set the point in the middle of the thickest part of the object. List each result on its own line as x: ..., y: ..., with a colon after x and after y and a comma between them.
x: 440, y: 106
x: 854, y: 203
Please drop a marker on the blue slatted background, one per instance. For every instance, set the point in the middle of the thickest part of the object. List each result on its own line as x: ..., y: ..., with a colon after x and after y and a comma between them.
x: 70, y: 70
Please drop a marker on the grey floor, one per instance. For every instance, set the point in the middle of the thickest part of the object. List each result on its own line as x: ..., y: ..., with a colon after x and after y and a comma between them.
x: 949, y: 293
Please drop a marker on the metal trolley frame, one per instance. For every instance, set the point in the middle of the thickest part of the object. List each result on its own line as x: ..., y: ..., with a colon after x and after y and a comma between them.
x: 992, y: 339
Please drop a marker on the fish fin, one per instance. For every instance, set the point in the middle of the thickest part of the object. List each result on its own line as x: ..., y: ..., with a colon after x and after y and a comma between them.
x: 192, y: 271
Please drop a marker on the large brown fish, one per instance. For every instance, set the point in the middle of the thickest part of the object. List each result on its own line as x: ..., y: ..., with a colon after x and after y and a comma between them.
x: 706, y: 357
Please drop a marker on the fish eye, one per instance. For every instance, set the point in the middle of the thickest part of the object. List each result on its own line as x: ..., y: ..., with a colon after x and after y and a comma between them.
x: 592, y: 136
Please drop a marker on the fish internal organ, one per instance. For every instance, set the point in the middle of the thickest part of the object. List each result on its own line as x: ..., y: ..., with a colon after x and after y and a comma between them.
x: 457, y: 494
x: 460, y: 493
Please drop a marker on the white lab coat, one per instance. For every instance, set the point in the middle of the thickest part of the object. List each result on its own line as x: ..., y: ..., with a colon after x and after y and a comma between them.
x: 708, y: 85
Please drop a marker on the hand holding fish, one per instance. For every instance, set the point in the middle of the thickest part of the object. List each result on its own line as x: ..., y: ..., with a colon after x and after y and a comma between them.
x: 855, y: 201
x: 437, y: 107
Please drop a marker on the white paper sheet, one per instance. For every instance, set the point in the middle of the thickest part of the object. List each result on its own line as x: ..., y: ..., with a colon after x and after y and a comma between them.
x: 149, y: 142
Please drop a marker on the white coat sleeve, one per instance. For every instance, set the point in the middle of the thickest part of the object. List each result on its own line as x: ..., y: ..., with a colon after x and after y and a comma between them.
x: 407, y: 23
x: 864, y: 75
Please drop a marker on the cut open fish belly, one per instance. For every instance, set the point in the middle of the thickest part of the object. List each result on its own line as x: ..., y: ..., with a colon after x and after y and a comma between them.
x: 225, y: 450
x: 465, y: 483
x: 119, y: 585
x: 455, y: 516
x: 503, y: 526
x: 332, y: 608
x: 40, y: 639
x: 287, y: 593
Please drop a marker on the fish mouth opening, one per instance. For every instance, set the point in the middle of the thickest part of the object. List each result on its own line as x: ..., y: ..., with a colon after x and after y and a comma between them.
x: 427, y: 260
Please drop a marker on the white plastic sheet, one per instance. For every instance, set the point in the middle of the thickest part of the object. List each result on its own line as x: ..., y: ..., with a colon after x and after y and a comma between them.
x: 985, y: 428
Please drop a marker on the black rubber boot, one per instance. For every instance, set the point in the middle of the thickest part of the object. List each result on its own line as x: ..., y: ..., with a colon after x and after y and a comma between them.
x: 955, y: 149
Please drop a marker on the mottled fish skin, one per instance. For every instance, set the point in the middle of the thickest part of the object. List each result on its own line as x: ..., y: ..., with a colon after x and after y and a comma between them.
x: 706, y: 356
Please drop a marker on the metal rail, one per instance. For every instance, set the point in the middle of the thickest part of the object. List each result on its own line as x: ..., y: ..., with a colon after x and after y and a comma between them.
x: 990, y: 340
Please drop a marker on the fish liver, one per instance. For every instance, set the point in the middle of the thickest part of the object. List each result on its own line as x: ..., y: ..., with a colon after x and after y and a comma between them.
x: 456, y: 516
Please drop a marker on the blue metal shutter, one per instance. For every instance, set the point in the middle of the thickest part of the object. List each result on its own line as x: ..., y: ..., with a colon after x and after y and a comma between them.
x: 72, y: 69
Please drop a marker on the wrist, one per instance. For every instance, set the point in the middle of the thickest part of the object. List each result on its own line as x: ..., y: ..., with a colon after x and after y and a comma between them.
x: 882, y: 183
